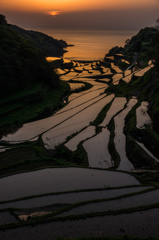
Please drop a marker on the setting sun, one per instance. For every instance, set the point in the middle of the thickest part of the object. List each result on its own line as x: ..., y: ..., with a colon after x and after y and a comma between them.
x: 53, y: 13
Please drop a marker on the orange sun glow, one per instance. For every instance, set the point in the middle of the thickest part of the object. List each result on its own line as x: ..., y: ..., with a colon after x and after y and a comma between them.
x: 54, y: 13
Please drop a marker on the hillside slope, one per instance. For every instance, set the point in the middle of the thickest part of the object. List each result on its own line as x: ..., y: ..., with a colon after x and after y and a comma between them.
x: 28, y: 82
x: 49, y: 45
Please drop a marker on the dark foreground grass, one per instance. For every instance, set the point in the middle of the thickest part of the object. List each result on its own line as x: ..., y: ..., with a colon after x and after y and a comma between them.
x: 31, y: 158
x: 125, y: 237
x: 48, y: 218
x: 31, y: 104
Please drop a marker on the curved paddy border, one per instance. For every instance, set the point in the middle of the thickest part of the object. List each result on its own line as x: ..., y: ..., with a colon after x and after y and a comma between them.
x: 51, y: 217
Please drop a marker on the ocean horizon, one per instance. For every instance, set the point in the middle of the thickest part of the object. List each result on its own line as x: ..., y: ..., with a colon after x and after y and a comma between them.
x: 88, y: 44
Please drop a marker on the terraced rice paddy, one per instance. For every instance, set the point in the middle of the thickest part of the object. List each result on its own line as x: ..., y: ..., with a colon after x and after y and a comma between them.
x: 71, y: 198
x: 86, y: 133
x: 97, y: 150
x: 99, y: 193
x: 116, y: 68
x: 143, y: 71
x: 128, y: 202
x: 61, y: 179
x: 117, y: 105
x: 119, y: 139
x: 116, y: 78
x: 128, y: 78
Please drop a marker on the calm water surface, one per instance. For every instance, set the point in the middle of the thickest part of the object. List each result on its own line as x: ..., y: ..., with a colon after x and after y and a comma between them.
x: 89, y: 44
x: 60, y: 180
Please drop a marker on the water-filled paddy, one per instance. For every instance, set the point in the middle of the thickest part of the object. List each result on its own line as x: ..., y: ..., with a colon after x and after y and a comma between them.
x: 71, y: 198
x: 129, y: 202
x: 143, y: 71
x: 116, y: 106
x: 97, y: 150
x: 95, y: 87
x: 59, y: 180
x: 90, y: 96
x: 68, y: 76
x: 33, y: 129
x: 128, y: 78
x: 76, y: 123
x: 138, y: 224
x: 116, y: 78
x: 127, y: 72
x: 119, y: 139
x: 74, y: 86
x: 116, y: 68
x: 86, y: 133
x: 6, y: 218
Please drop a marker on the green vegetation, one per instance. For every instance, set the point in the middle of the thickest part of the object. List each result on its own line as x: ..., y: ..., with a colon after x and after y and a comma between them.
x: 52, y: 218
x: 66, y: 192
x: 114, y: 50
x: 140, y: 43
x: 30, y: 88
x: 36, y: 102
x: 111, y: 146
x: 99, y: 119
x: 49, y: 45
x: 30, y: 156
x: 138, y: 156
x: 125, y: 237
x: 146, y: 44
x: 79, y: 204
x: 22, y: 64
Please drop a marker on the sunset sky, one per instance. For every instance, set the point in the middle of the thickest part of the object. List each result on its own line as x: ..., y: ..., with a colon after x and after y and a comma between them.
x: 106, y: 14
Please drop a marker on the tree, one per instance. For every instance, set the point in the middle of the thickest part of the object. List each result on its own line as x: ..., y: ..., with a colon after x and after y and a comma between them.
x: 136, y: 47
x: 3, y: 20
x: 157, y: 25
x: 127, y: 42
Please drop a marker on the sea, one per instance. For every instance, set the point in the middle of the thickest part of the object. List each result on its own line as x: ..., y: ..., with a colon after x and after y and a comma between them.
x: 88, y: 44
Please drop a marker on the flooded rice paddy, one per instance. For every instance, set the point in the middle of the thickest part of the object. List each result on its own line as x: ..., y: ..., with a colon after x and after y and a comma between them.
x: 128, y: 77
x: 6, y: 218
x: 70, y: 198
x: 83, y: 108
x: 74, y: 86
x: 117, y: 105
x: 143, y: 71
x: 66, y: 186
x: 116, y: 78
x: 86, y: 133
x: 119, y: 140
x: 61, y: 179
x: 97, y: 150
x: 128, y: 202
x: 137, y: 224
x: 75, y: 123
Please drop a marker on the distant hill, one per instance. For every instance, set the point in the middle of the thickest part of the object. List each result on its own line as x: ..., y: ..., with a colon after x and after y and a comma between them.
x: 21, y: 63
x: 29, y: 86
x: 140, y: 43
x: 145, y: 45
x: 50, y: 46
